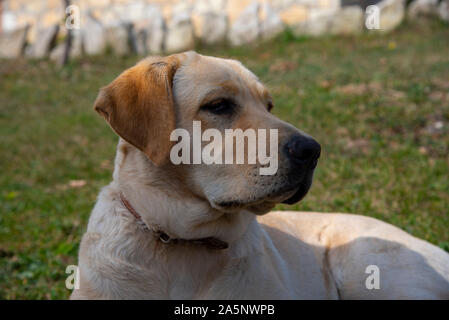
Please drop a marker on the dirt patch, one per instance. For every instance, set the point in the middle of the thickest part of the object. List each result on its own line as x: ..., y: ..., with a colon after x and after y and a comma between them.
x: 283, y: 65
x: 370, y: 88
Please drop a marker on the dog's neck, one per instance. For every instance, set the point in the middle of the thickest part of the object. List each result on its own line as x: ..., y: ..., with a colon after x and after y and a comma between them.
x: 160, y: 201
x: 160, y: 235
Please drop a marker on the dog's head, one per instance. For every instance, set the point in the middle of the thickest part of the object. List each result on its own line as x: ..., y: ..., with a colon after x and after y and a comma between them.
x: 194, y: 94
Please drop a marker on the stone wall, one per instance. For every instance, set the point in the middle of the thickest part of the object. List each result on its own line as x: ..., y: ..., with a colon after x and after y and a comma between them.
x: 36, y: 28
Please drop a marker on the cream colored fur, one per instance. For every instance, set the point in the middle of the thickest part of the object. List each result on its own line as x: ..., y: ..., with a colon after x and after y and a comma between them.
x: 279, y: 255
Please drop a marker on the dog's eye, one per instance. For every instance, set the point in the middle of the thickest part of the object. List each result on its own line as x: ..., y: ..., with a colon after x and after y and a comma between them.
x: 219, y: 106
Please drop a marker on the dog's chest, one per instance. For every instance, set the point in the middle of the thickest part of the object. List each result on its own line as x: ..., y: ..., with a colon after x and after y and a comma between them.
x: 261, y: 276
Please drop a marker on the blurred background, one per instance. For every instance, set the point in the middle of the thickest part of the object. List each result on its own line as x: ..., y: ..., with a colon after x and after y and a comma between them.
x: 368, y: 79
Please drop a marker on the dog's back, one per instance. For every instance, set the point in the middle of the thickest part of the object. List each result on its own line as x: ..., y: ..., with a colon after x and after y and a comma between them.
x: 355, y: 249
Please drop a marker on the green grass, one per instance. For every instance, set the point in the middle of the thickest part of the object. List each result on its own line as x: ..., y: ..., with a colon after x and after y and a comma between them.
x: 374, y: 102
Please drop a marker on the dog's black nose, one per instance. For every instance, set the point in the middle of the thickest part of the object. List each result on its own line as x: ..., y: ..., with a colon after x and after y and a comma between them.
x: 304, y: 149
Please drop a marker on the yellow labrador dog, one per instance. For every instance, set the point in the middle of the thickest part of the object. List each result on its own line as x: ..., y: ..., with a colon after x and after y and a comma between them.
x: 204, y: 231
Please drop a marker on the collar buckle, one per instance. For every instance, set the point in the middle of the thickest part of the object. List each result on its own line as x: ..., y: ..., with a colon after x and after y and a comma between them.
x: 164, y: 238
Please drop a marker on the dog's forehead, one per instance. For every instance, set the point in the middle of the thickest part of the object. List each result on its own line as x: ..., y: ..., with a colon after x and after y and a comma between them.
x: 199, y: 74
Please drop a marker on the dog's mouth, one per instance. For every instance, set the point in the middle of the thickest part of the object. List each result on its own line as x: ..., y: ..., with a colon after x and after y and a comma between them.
x: 298, y: 195
x: 289, y: 194
x: 301, y: 188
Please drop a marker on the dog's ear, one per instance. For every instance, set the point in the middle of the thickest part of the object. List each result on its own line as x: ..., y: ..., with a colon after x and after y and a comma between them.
x: 139, y: 106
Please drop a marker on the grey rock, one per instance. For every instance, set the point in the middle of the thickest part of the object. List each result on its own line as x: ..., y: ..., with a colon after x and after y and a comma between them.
x: 271, y: 24
x: 210, y: 27
x: 210, y: 6
x: 182, y: 8
x: 44, y: 42
x: 142, y: 35
x: 179, y: 33
x: 76, y: 49
x: 57, y: 54
x: 9, y: 21
x: 12, y: 43
x: 245, y: 28
x: 443, y: 10
x: 351, y: 19
x: 419, y: 8
x: 120, y: 38
x: 94, y: 40
x: 361, y: 3
x: 348, y: 20
x: 133, y: 11
x: 156, y: 39
x: 319, y: 23
x: 150, y: 32
x: 391, y: 14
